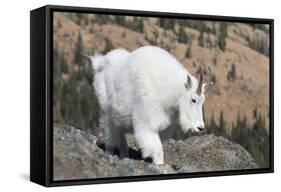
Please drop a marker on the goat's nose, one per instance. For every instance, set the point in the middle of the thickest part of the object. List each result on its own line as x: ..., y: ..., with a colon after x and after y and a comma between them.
x: 200, y: 128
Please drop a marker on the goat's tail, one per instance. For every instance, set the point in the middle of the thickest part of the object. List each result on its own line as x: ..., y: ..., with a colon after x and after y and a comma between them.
x: 97, y: 61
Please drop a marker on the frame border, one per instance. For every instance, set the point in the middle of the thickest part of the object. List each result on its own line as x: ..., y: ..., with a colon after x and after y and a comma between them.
x: 50, y: 9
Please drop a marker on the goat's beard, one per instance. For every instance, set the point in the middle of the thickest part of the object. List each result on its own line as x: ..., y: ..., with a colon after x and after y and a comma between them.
x: 185, y: 124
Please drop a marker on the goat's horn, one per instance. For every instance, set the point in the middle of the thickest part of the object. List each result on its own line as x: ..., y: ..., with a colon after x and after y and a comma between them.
x: 209, y: 80
x: 199, y: 88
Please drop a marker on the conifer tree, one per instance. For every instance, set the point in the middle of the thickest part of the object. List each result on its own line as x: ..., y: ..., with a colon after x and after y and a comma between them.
x: 188, y: 53
x: 201, y: 39
x: 232, y: 74
x: 222, y: 36
x: 222, y: 125
x: 79, y: 48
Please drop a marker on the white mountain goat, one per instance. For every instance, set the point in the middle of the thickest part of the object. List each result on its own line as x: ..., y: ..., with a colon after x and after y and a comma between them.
x: 146, y: 92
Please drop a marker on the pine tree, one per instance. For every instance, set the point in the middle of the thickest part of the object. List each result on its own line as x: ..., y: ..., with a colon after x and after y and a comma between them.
x: 235, y: 133
x: 208, y: 40
x: 222, y: 125
x: 136, y: 24
x: 108, y: 46
x: 120, y: 20
x: 201, y: 39
x: 79, y: 48
x: 166, y: 23
x: 232, y: 74
x: 57, y: 64
x: 182, y: 37
x: 64, y: 66
x: 222, y: 36
x: 215, y: 60
x: 212, y: 126
x: 188, y: 53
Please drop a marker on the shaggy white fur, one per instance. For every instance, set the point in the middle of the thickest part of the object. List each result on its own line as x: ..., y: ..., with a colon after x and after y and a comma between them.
x: 145, y: 92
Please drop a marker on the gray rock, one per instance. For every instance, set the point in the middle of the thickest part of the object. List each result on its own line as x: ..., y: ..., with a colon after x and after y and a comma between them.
x: 77, y: 156
x: 207, y: 153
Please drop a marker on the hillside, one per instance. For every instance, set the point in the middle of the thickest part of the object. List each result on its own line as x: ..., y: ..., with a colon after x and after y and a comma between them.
x: 248, y: 90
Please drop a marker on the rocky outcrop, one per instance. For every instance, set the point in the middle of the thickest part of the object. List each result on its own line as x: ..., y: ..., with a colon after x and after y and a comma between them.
x: 77, y: 156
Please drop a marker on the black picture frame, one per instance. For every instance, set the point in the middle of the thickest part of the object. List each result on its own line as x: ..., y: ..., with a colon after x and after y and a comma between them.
x: 41, y: 55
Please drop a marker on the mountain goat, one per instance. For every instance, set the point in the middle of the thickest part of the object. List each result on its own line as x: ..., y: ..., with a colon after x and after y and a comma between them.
x: 146, y: 92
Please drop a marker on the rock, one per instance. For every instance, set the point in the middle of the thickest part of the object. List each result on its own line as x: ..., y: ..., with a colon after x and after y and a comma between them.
x: 207, y: 153
x: 77, y: 156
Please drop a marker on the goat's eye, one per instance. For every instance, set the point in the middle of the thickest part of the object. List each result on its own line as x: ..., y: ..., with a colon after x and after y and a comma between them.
x: 193, y: 100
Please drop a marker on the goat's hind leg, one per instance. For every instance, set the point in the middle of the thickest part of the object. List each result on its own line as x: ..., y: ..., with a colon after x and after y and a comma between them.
x: 117, y: 144
x: 108, y: 136
x: 123, y: 146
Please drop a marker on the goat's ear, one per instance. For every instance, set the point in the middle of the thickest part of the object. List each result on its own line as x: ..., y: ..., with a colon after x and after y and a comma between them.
x: 188, y: 83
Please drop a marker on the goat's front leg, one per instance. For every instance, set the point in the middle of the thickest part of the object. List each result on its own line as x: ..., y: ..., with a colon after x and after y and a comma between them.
x: 150, y: 144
